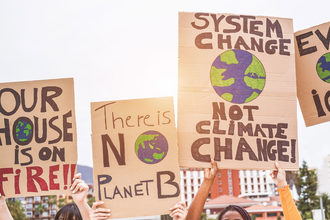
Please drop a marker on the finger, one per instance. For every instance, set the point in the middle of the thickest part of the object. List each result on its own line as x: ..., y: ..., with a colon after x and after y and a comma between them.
x: 102, y: 210
x: 81, y: 187
x: 96, y: 218
x: 181, y: 207
x: 274, y: 174
x: 277, y: 166
x: 177, y: 212
x: 102, y: 215
x: 206, y: 172
x: 75, y: 183
x: 2, y: 197
x: 177, y: 205
x: 77, y: 188
x: 183, y: 204
x: 214, y: 165
x: 172, y: 208
x: 95, y: 204
x: 77, y: 176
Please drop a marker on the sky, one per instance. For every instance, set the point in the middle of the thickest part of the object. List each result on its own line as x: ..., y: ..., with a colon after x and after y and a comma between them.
x: 126, y: 49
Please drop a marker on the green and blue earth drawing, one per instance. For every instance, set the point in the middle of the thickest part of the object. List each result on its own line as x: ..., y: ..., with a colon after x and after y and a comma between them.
x: 323, y: 67
x: 237, y: 76
x: 151, y: 147
x: 23, y: 131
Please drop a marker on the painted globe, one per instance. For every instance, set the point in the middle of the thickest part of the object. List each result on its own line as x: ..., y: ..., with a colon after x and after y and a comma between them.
x: 23, y: 131
x: 237, y: 76
x: 151, y: 147
x: 323, y: 67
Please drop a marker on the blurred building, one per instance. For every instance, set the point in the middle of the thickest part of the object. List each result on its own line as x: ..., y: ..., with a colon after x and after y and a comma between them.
x: 216, y: 205
x: 257, y: 185
x: 191, y: 180
x: 261, y: 212
x: 226, y: 183
x: 46, y: 207
x: 40, y: 207
x: 323, y: 175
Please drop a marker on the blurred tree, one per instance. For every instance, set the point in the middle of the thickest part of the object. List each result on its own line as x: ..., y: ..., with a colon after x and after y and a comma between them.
x: 326, y: 205
x: 61, y: 202
x: 91, y: 200
x: 39, y: 210
x: 16, y: 209
x: 307, y: 188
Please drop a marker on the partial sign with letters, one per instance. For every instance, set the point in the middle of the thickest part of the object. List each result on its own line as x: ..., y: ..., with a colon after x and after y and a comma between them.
x: 38, y: 144
x: 313, y: 73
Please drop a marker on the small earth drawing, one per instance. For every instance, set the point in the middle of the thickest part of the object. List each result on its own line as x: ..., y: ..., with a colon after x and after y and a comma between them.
x: 151, y: 147
x: 323, y: 67
x: 23, y: 131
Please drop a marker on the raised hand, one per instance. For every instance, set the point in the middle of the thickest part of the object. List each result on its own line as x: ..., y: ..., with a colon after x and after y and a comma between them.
x: 278, y: 176
x: 79, y: 189
x: 210, y: 173
x: 179, y: 211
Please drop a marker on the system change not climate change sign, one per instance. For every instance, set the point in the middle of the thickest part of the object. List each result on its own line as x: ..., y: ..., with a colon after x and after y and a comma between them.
x: 237, y: 91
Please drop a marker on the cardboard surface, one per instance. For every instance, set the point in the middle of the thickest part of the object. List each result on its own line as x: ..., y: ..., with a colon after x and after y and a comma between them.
x: 236, y: 91
x: 313, y: 73
x: 135, y: 156
x: 38, y: 144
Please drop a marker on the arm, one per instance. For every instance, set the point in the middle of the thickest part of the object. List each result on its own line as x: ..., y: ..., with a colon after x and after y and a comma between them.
x: 79, y: 194
x: 196, y: 207
x: 4, y: 211
x: 290, y: 210
x: 179, y: 211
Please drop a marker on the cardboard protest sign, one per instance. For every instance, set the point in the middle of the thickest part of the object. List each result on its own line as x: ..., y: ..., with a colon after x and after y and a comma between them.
x: 135, y: 156
x: 37, y: 137
x: 313, y: 73
x: 236, y: 91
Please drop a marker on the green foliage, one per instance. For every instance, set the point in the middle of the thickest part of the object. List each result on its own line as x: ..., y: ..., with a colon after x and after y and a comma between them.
x: 165, y: 217
x: 52, y: 200
x: 253, y: 217
x: 279, y: 218
x: 16, y: 209
x: 326, y: 205
x: 61, y: 202
x: 39, y: 209
x: 307, y: 185
x: 91, y: 200
x: 203, y: 216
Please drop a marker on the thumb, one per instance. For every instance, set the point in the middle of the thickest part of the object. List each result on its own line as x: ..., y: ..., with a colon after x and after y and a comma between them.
x: 95, y: 204
x: 277, y: 166
x: 206, y: 172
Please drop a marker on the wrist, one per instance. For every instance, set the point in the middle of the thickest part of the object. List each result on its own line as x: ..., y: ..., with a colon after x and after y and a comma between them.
x: 3, y: 203
x: 79, y: 202
x: 208, y: 181
x: 282, y: 185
